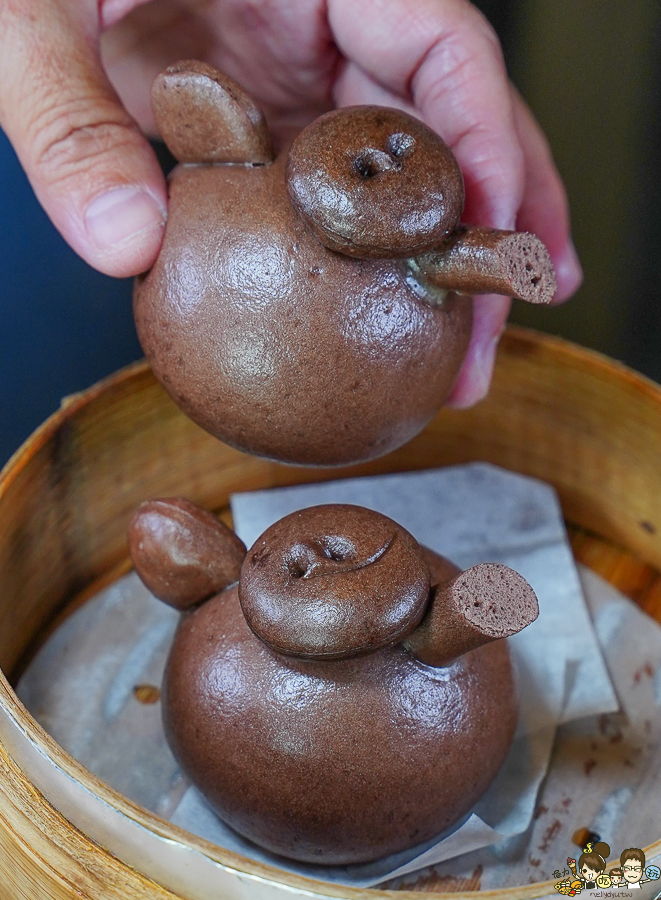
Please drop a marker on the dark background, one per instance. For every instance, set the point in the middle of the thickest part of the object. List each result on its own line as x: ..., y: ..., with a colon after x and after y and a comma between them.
x: 591, y: 72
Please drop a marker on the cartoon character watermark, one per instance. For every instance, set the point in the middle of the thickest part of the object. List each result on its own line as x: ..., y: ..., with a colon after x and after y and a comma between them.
x: 591, y: 864
x: 590, y: 872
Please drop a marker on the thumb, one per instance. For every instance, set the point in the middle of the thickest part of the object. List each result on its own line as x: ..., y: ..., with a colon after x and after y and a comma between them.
x: 91, y: 168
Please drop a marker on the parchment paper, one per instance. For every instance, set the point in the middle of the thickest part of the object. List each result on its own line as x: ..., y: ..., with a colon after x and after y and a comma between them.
x: 605, y: 771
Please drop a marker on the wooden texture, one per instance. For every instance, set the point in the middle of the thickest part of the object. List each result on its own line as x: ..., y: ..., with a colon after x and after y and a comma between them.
x: 585, y: 424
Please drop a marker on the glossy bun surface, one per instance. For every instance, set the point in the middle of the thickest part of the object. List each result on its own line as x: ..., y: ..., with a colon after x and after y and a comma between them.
x: 280, y: 347
x: 334, y: 581
x: 375, y: 182
x: 333, y: 761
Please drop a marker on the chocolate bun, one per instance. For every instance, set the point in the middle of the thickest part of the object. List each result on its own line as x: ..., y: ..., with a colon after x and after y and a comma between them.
x: 262, y: 333
x: 373, y: 182
x: 280, y: 347
x: 488, y: 261
x: 290, y: 699
x: 333, y: 761
x: 333, y: 581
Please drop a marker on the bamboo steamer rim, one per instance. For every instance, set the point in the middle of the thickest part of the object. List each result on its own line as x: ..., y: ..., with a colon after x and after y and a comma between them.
x: 520, y: 347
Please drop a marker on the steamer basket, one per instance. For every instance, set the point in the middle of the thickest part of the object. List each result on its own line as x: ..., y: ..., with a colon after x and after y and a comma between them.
x: 587, y: 425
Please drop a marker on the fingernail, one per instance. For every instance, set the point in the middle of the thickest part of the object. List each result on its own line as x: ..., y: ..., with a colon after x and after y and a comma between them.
x: 476, y: 378
x: 508, y: 223
x: 483, y: 363
x: 503, y: 219
x: 568, y: 272
x: 120, y: 215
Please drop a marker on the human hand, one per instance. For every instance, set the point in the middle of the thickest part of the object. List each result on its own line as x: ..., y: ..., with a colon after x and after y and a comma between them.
x: 75, y: 77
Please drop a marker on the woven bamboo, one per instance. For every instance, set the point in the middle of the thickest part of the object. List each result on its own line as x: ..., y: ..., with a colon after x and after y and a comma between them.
x: 586, y: 424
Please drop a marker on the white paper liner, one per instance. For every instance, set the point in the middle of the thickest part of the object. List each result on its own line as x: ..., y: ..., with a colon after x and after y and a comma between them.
x: 605, y: 772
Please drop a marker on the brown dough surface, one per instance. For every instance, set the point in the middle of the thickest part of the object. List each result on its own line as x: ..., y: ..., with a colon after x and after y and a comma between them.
x: 477, y: 260
x: 334, y: 581
x: 205, y: 116
x: 279, y: 346
x: 375, y: 182
x: 333, y: 761
x: 485, y: 603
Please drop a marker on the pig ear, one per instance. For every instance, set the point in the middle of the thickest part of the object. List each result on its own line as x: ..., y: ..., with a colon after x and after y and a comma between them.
x: 206, y: 117
x: 482, y: 604
x: 182, y: 552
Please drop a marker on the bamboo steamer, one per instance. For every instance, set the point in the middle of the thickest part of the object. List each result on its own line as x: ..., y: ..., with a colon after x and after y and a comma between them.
x: 587, y: 425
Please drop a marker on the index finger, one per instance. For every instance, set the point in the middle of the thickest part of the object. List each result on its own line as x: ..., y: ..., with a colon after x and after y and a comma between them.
x: 445, y: 58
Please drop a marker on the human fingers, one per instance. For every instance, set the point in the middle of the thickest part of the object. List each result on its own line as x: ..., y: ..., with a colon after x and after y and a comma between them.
x: 354, y: 87
x: 490, y: 314
x: 92, y: 170
x: 544, y: 209
x: 443, y: 57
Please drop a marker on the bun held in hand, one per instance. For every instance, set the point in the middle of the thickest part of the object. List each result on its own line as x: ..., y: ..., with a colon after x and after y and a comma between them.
x: 314, y: 306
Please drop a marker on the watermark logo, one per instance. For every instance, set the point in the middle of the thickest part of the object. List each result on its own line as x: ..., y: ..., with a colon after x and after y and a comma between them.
x: 589, y: 873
